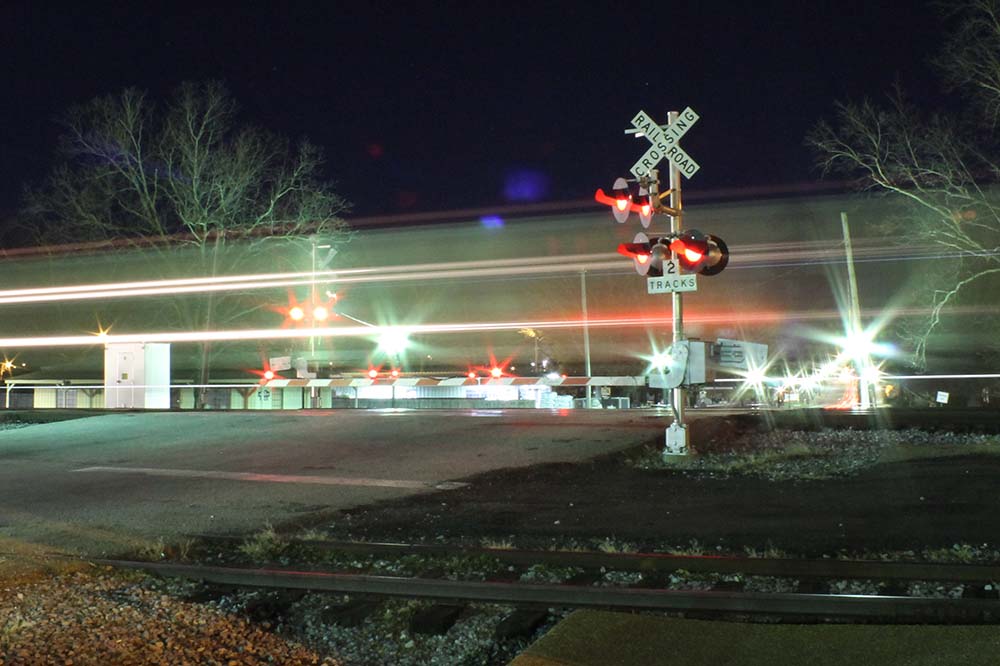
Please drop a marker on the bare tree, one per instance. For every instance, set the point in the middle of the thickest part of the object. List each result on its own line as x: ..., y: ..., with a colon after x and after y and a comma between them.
x: 941, y: 166
x: 184, y: 177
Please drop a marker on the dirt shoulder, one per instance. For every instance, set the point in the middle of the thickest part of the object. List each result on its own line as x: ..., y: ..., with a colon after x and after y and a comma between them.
x: 901, y: 498
x: 24, y: 563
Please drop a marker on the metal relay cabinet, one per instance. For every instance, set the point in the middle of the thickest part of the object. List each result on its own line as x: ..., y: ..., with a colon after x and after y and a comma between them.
x: 137, y: 376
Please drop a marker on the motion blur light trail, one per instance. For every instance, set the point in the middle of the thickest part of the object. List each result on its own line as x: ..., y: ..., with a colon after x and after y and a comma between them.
x: 495, y: 267
x: 409, y: 329
x: 155, y: 291
x: 178, y: 282
x: 753, y: 256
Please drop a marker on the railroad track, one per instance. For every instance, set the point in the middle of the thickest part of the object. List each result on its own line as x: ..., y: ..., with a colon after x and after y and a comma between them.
x: 978, y: 603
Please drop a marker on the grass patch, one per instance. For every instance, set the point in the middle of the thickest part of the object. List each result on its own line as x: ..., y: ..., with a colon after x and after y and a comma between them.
x: 14, y: 625
x: 612, y: 546
x: 36, y: 416
x: 767, y: 552
x: 265, y: 546
x: 812, y: 454
x: 313, y: 534
x: 497, y: 544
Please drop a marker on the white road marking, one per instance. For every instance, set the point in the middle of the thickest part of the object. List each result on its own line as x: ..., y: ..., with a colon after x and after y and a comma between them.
x: 279, y: 478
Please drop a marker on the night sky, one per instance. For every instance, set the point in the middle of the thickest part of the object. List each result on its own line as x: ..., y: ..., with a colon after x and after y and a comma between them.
x: 449, y: 106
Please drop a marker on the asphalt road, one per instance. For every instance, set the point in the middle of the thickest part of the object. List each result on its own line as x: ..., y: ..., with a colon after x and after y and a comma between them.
x: 105, y: 484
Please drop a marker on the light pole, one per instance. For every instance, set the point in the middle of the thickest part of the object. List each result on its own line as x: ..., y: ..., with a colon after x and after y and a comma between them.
x: 314, y: 308
x: 586, y: 333
x: 862, y: 361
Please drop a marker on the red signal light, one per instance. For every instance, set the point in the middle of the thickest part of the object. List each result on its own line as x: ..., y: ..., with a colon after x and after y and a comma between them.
x: 700, y: 253
x: 496, y: 372
x: 647, y: 254
x: 638, y: 251
x: 644, y: 206
x: 394, y: 373
x: 372, y: 373
x: 621, y: 203
x: 269, y: 375
x: 471, y: 375
x: 691, y: 253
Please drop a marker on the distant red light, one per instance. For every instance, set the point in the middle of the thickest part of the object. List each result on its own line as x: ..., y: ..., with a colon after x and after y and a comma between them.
x: 269, y: 375
x: 496, y: 372
x: 372, y: 373
x: 394, y: 373
x: 471, y: 375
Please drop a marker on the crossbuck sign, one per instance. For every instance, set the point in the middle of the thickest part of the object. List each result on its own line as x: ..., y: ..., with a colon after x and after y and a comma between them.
x: 664, y: 140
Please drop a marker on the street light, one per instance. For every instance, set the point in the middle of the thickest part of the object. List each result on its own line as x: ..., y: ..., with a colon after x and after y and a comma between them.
x: 319, y: 313
x: 393, y: 341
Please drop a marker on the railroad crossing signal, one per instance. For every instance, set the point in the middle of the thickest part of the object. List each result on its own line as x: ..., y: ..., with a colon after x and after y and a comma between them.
x: 664, y: 140
x: 646, y: 253
x: 622, y: 203
x: 700, y: 253
x: 669, y: 262
x: 696, y: 253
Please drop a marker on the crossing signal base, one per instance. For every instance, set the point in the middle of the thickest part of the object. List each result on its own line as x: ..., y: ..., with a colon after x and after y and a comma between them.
x: 671, y: 283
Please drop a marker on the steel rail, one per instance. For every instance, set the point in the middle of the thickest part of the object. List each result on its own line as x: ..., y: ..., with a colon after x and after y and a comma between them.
x: 665, y: 562
x: 896, y: 608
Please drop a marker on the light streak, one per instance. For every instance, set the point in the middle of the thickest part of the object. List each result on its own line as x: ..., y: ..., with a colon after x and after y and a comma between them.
x: 318, y: 276
x: 72, y: 294
x: 985, y: 376
x: 734, y: 380
x: 755, y: 256
x: 412, y: 329
x: 497, y: 267
x: 178, y: 282
x: 332, y: 332
x: 371, y: 330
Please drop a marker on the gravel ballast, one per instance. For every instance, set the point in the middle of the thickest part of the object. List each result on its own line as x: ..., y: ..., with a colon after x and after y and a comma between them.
x: 107, y: 618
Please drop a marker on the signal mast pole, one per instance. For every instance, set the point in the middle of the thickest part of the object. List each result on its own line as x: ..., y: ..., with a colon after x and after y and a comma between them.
x: 676, y: 435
